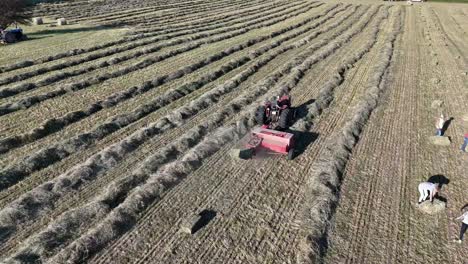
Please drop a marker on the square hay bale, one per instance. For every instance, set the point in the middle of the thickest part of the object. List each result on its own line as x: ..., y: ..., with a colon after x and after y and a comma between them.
x: 61, y: 21
x: 437, y: 104
x: 237, y: 153
x: 436, y: 207
x: 37, y: 21
x: 187, y: 224
x: 439, y: 141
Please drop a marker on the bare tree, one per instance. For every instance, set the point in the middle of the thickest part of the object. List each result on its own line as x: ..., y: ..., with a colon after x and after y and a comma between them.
x: 12, y: 11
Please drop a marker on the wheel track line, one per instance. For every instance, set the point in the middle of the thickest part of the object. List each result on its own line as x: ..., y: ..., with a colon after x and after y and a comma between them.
x: 454, y: 161
x: 203, y: 39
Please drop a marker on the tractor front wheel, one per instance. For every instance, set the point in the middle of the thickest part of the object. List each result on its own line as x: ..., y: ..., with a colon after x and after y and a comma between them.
x: 291, y: 154
x: 9, y: 37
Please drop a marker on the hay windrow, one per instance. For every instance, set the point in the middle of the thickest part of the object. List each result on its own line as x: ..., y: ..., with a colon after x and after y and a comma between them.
x: 325, y: 180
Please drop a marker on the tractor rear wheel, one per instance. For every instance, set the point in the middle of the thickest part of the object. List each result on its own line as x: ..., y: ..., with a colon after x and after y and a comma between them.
x: 285, y: 118
x: 260, y: 115
x: 9, y: 37
x: 291, y: 154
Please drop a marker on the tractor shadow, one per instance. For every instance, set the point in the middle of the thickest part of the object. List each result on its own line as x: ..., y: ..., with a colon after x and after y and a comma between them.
x: 303, y: 139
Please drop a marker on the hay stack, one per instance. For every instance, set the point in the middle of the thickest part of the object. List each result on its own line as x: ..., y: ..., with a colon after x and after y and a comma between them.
x: 61, y: 21
x: 37, y: 21
x: 439, y: 141
x: 436, y: 207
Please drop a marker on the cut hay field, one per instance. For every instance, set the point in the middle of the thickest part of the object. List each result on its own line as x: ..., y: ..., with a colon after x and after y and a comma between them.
x: 115, y: 132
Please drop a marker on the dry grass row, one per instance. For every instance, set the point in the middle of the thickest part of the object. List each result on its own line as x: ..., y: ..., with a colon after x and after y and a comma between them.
x: 324, y: 181
x: 212, y: 22
x: 179, y: 16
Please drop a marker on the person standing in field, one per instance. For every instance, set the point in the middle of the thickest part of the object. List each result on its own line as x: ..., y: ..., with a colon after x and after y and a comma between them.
x: 440, y: 125
x: 465, y: 142
x: 464, y: 226
x: 427, y: 189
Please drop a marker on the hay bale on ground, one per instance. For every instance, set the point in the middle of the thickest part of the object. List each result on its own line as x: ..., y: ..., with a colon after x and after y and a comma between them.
x: 439, y: 141
x: 37, y: 21
x: 237, y: 153
x: 436, y: 207
x: 61, y: 21
x: 187, y: 224
x: 437, y: 104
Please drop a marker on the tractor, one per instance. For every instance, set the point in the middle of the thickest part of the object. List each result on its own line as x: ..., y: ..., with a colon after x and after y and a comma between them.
x: 12, y: 35
x: 276, y: 114
x: 271, y: 137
